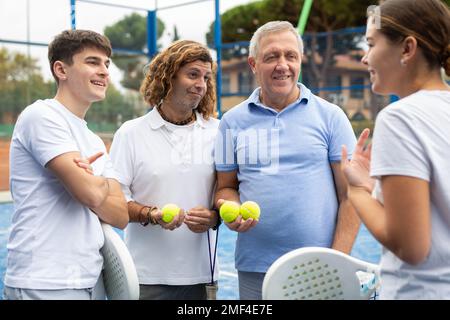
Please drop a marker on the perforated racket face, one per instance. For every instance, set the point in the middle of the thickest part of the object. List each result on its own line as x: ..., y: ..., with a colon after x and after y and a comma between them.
x: 116, y: 283
x: 313, y: 280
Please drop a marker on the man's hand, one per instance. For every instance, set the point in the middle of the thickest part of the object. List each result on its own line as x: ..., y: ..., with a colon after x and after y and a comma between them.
x: 200, y: 219
x: 85, y: 163
x: 172, y: 225
x: 89, y: 190
x: 238, y: 225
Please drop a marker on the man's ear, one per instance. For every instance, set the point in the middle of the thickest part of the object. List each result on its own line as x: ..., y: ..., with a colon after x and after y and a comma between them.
x: 251, y: 61
x: 59, y: 70
x: 409, y: 49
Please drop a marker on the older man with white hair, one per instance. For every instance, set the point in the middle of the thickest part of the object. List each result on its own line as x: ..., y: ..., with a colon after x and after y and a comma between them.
x: 282, y: 148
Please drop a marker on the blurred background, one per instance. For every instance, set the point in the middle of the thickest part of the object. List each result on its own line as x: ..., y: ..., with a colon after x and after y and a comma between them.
x: 333, y: 33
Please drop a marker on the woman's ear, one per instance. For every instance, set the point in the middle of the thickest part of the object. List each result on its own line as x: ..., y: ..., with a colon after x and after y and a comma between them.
x: 409, y: 49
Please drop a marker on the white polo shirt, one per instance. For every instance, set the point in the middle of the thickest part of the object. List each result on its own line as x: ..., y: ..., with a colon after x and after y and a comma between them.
x: 160, y: 163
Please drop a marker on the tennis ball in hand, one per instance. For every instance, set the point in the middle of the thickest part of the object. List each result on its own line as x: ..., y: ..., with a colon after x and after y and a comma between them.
x: 250, y: 209
x: 169, y: 211
x: 229, y: 211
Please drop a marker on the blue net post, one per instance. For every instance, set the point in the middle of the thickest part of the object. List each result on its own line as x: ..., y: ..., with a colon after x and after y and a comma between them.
x: 152, y: 30
x: 72, y: 14
x: 218, y: 45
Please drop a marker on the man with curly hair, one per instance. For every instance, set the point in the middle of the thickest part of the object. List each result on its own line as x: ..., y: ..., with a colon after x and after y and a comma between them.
x: 166, y: 157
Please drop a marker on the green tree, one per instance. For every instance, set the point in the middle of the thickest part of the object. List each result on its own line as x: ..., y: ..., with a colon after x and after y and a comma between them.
x: 175, y: 36
x: 238, y: 23
x: 108, y: 114
x: 131, y: 33
x: 325, y: 16
x: 21, y: 83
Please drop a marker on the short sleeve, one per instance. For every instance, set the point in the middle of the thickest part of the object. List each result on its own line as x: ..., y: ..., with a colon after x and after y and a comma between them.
x: 397, y: 149
x: 341, y: 134
x: 46, y: 134
x: 122, y: 159
x: 224, y: 148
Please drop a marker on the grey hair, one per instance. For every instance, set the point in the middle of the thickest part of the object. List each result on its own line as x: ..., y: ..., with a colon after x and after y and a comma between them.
x: 271, y: 27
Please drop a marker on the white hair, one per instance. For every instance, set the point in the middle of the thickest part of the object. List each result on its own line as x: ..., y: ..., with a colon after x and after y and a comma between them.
x: 271, y: 27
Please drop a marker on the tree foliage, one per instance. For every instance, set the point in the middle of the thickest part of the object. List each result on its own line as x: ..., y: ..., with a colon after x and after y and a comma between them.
x: 21, y: 83
x: 131, y: 33
x: 115, y: 109
x: 239, y: 24
x: 175, y: 35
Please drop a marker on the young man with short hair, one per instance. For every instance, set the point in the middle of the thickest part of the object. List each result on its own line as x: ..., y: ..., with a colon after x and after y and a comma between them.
x: 62, y: 181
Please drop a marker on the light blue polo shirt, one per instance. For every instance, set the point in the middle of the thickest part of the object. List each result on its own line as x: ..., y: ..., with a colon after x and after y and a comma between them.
x: 283, y: 163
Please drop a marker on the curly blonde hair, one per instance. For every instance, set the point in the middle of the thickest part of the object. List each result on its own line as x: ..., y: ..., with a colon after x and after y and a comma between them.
x: 157, y: 83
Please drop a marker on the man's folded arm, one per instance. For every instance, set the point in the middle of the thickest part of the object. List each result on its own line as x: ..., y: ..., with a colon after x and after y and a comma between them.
x: 100, y: 194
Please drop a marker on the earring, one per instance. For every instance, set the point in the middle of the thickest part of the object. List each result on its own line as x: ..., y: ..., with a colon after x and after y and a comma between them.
x: 402, y: 62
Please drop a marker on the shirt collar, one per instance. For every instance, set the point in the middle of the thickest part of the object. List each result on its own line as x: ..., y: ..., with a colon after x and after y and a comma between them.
x: 156, y: 121
x: 305, y: 95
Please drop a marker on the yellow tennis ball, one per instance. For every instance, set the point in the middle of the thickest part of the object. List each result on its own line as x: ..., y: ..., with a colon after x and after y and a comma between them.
x: 169, y: 211
x: 229, y: 211
x: 250, y: 209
